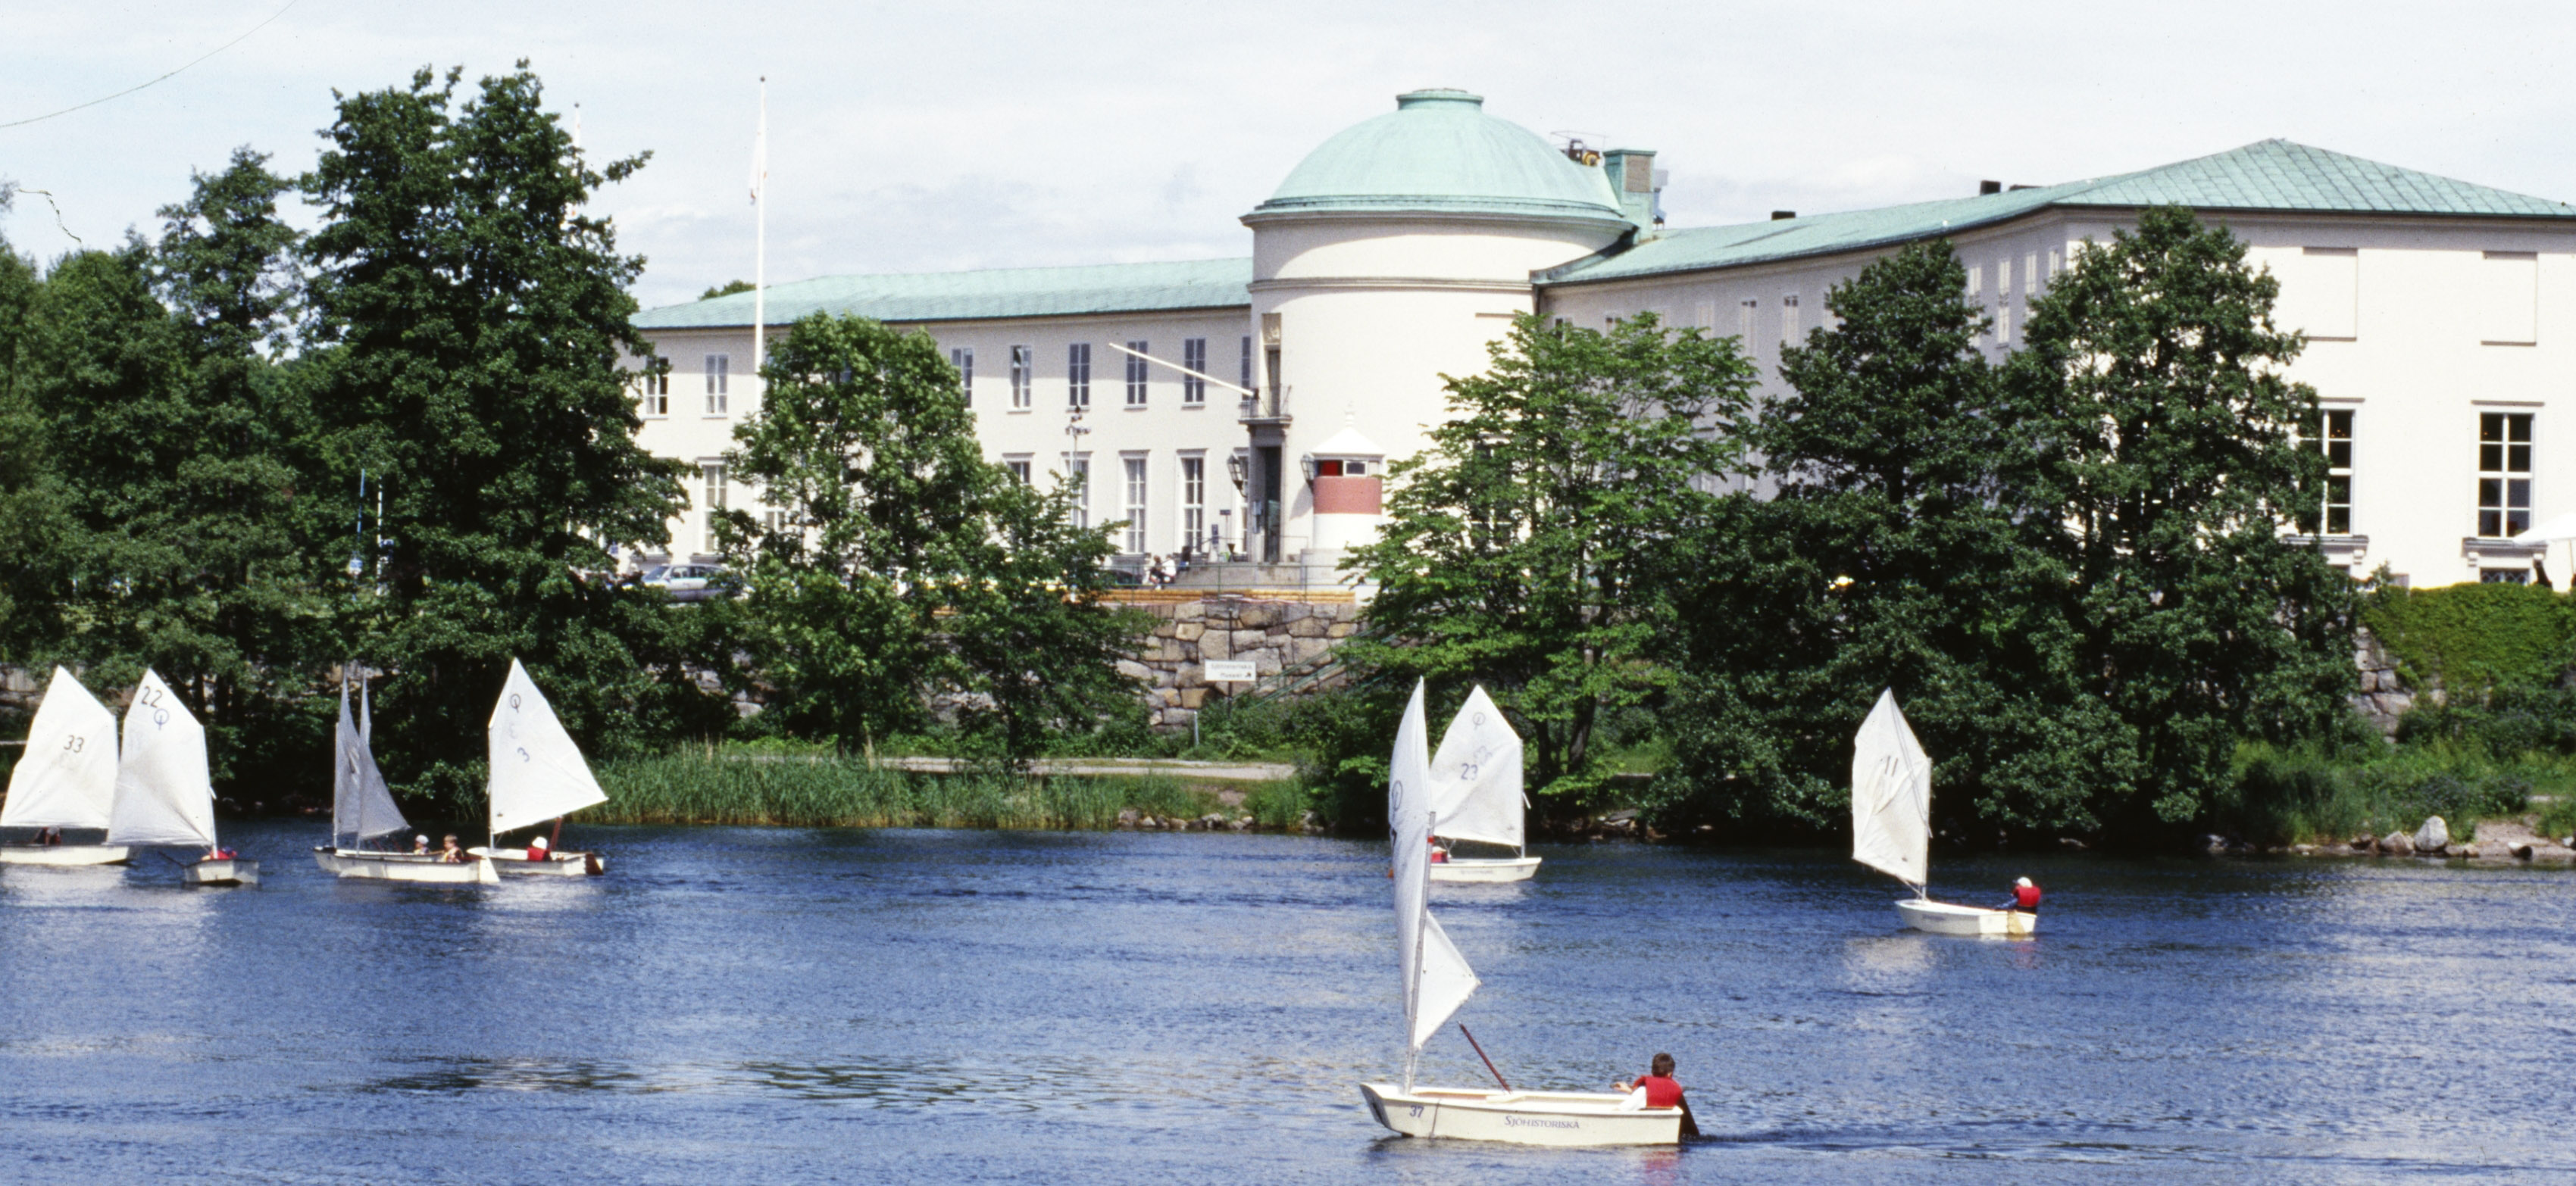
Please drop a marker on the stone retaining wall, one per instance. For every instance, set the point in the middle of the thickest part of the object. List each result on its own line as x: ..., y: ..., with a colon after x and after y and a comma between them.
x: 1275, y: 632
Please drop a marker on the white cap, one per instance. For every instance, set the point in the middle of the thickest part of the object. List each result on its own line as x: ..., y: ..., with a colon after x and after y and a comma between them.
x: 2023, y: 882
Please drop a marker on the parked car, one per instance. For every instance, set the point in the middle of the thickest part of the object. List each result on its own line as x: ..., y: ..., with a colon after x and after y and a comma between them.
x: 687, y: 582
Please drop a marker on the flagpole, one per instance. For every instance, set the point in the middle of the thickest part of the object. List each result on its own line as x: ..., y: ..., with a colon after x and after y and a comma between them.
x: 760, y: 237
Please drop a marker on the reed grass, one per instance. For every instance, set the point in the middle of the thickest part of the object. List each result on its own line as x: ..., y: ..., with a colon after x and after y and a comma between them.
x: 823, y: 791
x: 2299, y: 794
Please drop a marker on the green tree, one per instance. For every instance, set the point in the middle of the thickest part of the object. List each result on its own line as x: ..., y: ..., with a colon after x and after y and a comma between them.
x: 1528, y: 546
x: 470, y: 319
x: 728, y: 288
x: 31, y: 521
x: 1898, y: 552
x: 2150, y: 391
x: 905, y: 569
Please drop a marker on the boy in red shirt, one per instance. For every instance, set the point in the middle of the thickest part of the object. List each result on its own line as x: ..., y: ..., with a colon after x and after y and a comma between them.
x: 1663, y: 1092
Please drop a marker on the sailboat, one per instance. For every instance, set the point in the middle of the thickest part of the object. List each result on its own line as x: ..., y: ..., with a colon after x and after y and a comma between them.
x: 1437, y: 981
x: 164, y: 794
x: 65, y: 779
x: 362, y: 809
x: 1478, y: 768
x: 1892, y: 826
x: 537, y: 774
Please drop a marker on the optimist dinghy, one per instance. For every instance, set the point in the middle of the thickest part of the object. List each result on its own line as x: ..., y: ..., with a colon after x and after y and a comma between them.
x: 1437, y: 981
x: 537, y: 774
x: 164, y: 795
x: 1892, y: 826
x: 66, y: 779
x: 362, y: 809
x: 1478, y: 771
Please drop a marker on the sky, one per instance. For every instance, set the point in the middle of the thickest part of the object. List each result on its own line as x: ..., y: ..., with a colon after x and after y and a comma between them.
x: 937, y: 136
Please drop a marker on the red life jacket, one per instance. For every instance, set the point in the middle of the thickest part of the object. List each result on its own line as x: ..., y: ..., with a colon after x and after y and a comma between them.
x: 2025, y: 897
x: 1661, y: 1091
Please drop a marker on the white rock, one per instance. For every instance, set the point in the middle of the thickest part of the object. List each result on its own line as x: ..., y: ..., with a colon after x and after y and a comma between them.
x: 2433, y: 835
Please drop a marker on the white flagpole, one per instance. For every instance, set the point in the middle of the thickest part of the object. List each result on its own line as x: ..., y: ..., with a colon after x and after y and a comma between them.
x: 760, y: 236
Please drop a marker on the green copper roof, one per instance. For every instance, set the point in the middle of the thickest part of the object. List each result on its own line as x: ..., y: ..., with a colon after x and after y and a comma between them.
x: 976, y: 296
x: 2274, y: 175
x: 1438, y: 152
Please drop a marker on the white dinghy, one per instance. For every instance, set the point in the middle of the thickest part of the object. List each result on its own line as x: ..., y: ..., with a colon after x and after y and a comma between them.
x: 1478, y: 771
x: 66, y: 778
x: 362, y: 809
x: 1437, y: 981
x: 537, y: 775
x: 1892, y: 826
x: 164, y: 795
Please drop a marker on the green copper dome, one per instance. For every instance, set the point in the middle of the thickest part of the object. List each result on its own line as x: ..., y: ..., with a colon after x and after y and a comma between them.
x: 1439, y: 152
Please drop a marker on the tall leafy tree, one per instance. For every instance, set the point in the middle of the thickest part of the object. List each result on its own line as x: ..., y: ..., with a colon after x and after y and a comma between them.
x: 1527, y: 547
x: 1901, y: 551
x: 905, y: 569
x: 31, y: 522
x: 2151, y: 394
x: 473, y: 316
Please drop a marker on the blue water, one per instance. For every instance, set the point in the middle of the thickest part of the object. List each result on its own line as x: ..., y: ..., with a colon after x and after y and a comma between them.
x: 737, y: 1005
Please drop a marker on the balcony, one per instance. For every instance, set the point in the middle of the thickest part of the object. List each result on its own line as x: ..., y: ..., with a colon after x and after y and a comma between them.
x: 1268, y: 409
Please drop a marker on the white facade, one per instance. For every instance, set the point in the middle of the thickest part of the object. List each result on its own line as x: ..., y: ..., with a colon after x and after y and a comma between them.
x: 2426, y: 331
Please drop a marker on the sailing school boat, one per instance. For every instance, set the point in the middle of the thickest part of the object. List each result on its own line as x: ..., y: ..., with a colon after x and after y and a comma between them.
x: 537, y: 774
x: 1892, y: 826
x: 164, y: 795
x: 1478, y: 771
x: 1437, y: 981
x: 65, y: 779
x: 362, y: 809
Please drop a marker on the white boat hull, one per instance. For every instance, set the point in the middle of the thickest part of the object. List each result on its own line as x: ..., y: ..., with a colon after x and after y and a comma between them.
x: 65, y: 854
x: 1944, y: 918
x: 561, y: 864
x: 405, y: 866
x: 1563, y: 1118
x: 230, y: 871
x: 1484, y: 869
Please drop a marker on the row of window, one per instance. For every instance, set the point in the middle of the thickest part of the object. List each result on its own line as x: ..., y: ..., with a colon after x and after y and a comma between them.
x: 1197, y: 531
x: 656, y: 384
x: 2504, y: 471
x: 1077, y: 373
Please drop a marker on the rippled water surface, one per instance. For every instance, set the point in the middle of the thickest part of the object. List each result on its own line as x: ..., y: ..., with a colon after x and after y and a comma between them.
x: 794, y: 1006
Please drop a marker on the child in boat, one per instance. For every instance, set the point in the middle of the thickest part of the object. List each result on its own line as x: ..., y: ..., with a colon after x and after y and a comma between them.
x: 452, y: 853
x: 1662, y: 1092
x: 420, y: 846
x: 1439, y: 851
x: 2025, y: 897
x: 537, y: 849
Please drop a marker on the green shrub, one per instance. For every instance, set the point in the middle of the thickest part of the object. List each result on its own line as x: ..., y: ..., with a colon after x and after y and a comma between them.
x: 2469, y: 638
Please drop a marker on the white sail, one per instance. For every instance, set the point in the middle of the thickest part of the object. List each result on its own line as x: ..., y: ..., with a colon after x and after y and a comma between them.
x: 66, y: 778
x: 362, y: 807
x: 1436, y: 977
x: 163, y: 792
x: 1891, y: 796
x: 537, y: 771
x: 1478, y: 771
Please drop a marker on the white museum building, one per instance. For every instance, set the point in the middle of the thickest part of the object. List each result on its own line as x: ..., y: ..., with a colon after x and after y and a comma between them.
x: 1249, y: 406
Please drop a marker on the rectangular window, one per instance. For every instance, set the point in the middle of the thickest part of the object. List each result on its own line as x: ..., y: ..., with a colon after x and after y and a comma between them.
x: 1789, y: 320
x: 1706, y: 316
x: 1136, y: 374
x: 2335, y: 436
x: 1077, y: 477
x: 1246, y: 382
x: 1077, y: 375
x: 2509, y: 285
x: 717, y: 366
x: 1976, y: 279
x: 1023, y: 367
x: 963, y: 358
x: 1194, y: 501
x: 2003, y: 319
x: 1744, y: 323
x: 713, y: 499
x: 2504, y: 474
x: 1019, y: 467
x: 774, y: 522
x: 657, y: 388
x: 1135, y: 503
x: 1194, y: 357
